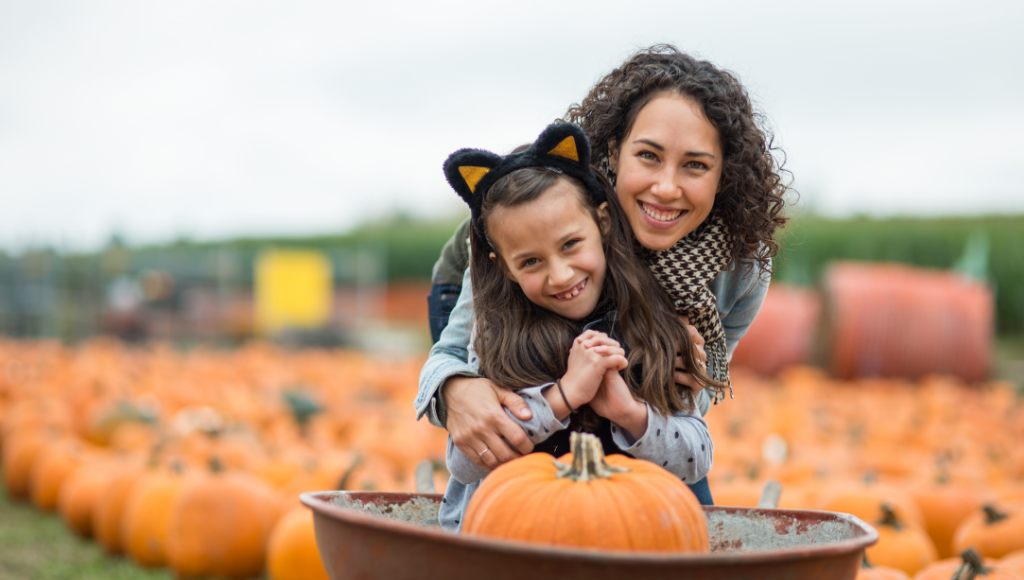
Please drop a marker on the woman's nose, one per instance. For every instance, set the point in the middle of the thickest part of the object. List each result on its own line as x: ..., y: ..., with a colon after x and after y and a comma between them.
x: 666, y: 184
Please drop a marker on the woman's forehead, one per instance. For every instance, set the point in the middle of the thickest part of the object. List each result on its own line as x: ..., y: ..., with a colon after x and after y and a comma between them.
x: 671, y: 119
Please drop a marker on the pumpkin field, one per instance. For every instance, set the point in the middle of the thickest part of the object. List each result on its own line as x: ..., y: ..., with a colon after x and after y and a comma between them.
x: 191, y: 462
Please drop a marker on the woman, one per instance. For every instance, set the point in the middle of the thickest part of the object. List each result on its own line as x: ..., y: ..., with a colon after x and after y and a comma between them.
x: 695, y: 176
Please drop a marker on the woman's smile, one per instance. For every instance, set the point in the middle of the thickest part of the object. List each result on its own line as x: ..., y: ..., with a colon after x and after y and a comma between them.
x: 661, y: 216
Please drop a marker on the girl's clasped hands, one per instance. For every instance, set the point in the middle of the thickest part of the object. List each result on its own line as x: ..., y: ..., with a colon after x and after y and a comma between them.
x: 593, y: 378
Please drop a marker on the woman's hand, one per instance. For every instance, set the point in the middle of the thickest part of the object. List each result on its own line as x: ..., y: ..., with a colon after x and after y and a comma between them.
x: 478, y: 424
x: 614, y: 401
x: 592, y: 354
x: 682, y: 371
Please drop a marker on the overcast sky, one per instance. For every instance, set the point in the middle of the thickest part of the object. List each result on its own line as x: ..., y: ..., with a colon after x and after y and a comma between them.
x: 213, y: 119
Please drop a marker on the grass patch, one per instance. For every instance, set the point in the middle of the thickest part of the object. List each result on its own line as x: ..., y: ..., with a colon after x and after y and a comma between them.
x: 37, y: 546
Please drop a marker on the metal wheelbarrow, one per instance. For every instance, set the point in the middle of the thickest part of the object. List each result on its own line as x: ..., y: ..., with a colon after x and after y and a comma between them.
x: 395, y: 536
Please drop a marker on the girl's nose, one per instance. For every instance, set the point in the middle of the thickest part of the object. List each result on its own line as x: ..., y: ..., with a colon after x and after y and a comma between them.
x: 561, y: 273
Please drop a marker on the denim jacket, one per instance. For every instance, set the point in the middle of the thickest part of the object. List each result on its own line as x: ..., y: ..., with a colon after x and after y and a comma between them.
x: 738, y: 295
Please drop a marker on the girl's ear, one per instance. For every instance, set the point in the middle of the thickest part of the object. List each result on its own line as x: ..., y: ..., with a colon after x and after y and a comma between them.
x: 502, y: 266
x: 604, y: 220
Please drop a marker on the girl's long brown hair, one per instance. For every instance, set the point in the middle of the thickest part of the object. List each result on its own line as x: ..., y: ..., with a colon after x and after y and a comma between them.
x: 521, y: 344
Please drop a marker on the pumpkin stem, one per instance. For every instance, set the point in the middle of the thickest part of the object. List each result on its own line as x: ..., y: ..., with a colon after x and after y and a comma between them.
x: 587, y: 460
x: 889, y: 518
x: 992, y: 515
x: 972, y: 567
x: 343, y: 482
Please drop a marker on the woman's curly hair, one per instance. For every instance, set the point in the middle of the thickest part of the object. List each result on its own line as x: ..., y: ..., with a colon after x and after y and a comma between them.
x: 750, y: 198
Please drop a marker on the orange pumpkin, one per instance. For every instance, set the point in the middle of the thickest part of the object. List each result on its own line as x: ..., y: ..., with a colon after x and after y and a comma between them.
x: 79, y: 493
x: 291, y: 551
x: 969, y: 565
x: 219, y: 526
x: 940, y: 570
x: 1013, y: 560
x: 615, y: 503
x: 902, y: 546
x: 109, y: 508
x: 20, y: 450
x: 871, y: 572
x: 994, y: 530
x: 147, y: 510
x: 55, y: 461
x: 944, y: 507
x: 865, y: 501
x: 333, y: 471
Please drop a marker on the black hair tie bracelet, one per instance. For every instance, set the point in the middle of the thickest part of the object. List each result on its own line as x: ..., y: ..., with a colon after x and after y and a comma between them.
x: 558, y: 383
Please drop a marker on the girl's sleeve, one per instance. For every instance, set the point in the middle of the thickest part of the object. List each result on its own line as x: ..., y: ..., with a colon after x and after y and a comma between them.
x: 542, y: 424
x: 448, y: 357
x: 680, y: 443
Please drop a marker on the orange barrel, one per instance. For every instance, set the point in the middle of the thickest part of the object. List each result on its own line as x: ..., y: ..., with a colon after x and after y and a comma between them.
x: 784, y: 331
x: 894, y: 320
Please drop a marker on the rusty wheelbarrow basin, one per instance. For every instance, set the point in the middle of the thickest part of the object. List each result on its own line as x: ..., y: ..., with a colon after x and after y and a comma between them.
x: 368, y: 535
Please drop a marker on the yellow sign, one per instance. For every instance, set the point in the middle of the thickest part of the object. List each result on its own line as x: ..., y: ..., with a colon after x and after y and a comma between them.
x: 293, y: 290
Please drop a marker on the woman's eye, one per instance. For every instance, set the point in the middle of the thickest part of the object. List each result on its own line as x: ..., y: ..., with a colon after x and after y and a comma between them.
x: 528, y: 262
x: 648, y: 155
x: 696, y: 165
x: 570, y: 244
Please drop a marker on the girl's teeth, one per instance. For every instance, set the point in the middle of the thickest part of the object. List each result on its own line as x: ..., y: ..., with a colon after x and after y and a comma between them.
x: 573, y: 292
x: 659, y: 215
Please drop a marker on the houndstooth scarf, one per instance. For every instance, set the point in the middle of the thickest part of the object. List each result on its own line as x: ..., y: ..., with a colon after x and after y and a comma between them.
x: 684, y: 271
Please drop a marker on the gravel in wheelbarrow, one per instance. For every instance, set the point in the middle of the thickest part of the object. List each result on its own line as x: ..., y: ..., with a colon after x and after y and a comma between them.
x: 396, y: 536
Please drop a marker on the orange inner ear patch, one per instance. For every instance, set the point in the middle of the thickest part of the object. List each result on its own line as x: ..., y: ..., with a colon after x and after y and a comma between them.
x: 567, y: 149
x: 473, y: 175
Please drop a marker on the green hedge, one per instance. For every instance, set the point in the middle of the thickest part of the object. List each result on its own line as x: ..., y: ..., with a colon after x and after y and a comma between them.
x: 986, y: 246
x: 989, y: 247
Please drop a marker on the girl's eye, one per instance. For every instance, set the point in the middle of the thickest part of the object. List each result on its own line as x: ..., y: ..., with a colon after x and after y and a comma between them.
x: 570, y: 244
x: 528, y: 262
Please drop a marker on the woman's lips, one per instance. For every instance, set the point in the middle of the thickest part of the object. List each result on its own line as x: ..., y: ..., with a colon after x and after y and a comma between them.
x: 572, y: 292
x: 660, y: 217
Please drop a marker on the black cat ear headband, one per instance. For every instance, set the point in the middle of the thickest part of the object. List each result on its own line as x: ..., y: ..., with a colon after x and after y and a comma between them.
x: 562, y: 148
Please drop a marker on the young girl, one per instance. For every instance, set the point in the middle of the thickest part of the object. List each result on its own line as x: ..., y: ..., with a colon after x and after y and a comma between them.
x: 550, y: 262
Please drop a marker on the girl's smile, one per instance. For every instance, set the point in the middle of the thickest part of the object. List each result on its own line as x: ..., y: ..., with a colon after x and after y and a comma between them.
x: 573, y: 292
x: 551, y: 247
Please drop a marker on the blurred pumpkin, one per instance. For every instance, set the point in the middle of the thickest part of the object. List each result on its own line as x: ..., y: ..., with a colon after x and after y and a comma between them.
x: 291, y: 551
x: 108, y: 509
x: 901, y: 545
x: 219, y: 525
x: 994, y: 531
x: 146, y: 512
x: 80, y: 492
x: 969, y: 565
